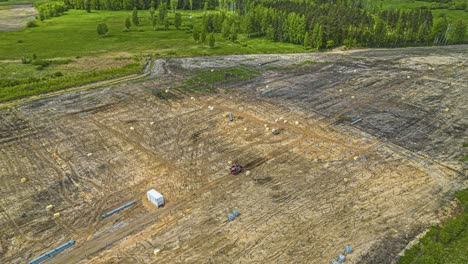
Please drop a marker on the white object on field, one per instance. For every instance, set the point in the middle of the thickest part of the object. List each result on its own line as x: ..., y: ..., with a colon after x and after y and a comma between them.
x: 155, y: 198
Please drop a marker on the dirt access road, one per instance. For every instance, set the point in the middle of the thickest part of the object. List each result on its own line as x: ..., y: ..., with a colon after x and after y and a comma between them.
x: 317, y: 186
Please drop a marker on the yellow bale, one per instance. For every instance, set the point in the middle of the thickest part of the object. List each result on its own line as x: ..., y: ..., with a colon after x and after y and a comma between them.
x: 23, y: 180
x: 56, y: 215
x: 50, y: 207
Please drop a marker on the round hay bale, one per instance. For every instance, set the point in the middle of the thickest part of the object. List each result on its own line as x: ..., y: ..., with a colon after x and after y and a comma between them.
x: 132, y: 128
x: 23, y: 180
x: 247, y: 173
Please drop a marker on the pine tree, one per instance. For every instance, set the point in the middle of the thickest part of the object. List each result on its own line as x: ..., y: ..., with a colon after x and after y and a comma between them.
x: 203, y: 35
x: 196, y: 34
x: 162, y: 9
x: 225, y: 29
x: 306, y: 40
x: 178, y: 20
x: 151, y: 11
x: 135, y: 19
x: 88, y: 6
x: 155, y: 23
x: 317, y: 36
x: 166, y: 23
x: 127, y: 24
x: 174, y: 5
x: 212, y: 40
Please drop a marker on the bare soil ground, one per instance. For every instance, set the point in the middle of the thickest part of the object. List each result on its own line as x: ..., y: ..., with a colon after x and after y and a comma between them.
x: 317, y: 186
x: 15, y: 17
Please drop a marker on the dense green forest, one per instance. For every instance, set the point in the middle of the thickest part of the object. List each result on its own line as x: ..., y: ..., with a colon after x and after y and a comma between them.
x: 312, y: 23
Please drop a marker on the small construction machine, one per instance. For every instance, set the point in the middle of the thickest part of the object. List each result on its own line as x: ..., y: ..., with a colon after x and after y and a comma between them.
x: 235, y: 169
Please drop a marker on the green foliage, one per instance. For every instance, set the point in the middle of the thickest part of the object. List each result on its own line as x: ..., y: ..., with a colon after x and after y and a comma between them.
x: 135, y: 19
x: 203, y: 35
x: 317, y: 36
x: 162, y: 10
x: 82, y: 39
x: 155, y: 23
x: 166, y: 23
x: 196, y: 34
x: 128, y: 24
x: 102, y: 29
x: 177, y: 20
x: 212, y: 40
x: 459, y: 32
x: 31, y: 24
x: 443, y: 244
x: 50, y: 9
x: 152, y: 11
x: 306, y: 40
x: 36, y: 86
x: 225, y: 29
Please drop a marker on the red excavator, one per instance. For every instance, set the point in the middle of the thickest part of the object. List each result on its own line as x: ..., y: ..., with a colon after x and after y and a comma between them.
x: 235, y: 169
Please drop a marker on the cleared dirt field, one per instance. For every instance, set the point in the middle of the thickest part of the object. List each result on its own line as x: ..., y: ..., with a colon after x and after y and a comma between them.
x: 15, y: 17
x: 317, y: 186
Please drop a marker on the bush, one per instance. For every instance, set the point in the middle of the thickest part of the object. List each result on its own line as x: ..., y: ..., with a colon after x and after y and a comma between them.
x: 20, y: 41
x: 57, y: 74
x: 31, y: 24
x: 42, y: 63
x: 102, y: 29
x: 25, y: 60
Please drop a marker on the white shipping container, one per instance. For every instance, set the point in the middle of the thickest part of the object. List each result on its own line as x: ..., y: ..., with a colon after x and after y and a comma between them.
x: 154, y: 197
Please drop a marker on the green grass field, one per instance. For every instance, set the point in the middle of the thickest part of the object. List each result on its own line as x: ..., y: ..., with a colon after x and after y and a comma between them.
x: 74, y: 34
x: 402, y: 4
x: 73, y: 37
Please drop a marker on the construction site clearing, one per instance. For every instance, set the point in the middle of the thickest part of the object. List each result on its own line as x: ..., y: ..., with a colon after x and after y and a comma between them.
x: 360, y: 148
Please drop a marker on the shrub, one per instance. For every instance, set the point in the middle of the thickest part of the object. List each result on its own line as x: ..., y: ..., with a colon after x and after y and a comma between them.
x: 42, y: 63
x: 25, y: 60
x: 57, y: 74
x: 31, y: 24
x: 102, y: 29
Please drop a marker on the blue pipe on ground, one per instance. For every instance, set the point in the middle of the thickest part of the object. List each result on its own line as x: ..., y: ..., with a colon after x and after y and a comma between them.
x: 118, y: 209
x: 52, y: 253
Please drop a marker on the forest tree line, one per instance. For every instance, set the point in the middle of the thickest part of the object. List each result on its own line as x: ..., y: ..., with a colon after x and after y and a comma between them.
x: 312, y: 23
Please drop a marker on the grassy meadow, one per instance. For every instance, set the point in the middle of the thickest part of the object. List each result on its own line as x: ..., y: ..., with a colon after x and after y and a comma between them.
x: 71, y: 47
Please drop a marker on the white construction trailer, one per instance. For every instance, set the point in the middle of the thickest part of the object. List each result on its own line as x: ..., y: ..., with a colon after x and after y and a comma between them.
x: 154, y: 197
